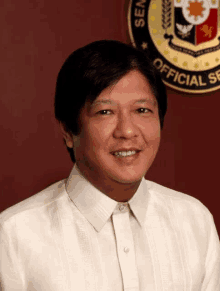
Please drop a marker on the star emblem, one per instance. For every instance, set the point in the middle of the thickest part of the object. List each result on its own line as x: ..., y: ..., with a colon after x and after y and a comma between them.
x: 144, y: 45
x: 196, y: 9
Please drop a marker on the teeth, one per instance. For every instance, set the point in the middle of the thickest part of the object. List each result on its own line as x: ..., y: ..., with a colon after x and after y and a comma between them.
x: 125, y: 154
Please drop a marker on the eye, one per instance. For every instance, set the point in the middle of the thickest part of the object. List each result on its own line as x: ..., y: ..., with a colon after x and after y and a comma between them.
x: 104, y: 112
x: 143, y: 110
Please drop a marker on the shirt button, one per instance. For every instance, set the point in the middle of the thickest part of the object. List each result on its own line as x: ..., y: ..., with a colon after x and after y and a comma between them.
x: 121, y: 207
x: 126, y: 250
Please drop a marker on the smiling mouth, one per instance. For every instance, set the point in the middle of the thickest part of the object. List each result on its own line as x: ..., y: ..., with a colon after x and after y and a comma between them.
x: 124, y: 154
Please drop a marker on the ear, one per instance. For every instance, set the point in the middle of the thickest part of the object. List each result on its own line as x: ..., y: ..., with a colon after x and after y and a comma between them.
x: 67, y: 136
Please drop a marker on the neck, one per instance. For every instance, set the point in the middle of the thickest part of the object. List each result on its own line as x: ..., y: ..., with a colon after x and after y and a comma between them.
x: 120, y: 192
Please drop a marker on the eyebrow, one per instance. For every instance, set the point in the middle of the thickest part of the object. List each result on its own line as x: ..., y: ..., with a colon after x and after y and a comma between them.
x: 108, y: 101
x: 145, y: 100
x: 103, y: 101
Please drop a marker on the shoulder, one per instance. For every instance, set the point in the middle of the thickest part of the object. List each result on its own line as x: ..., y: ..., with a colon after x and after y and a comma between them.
x: 178, y: 203
x: 42, y: 199
x: 186, y: 221
x: 183, y: 213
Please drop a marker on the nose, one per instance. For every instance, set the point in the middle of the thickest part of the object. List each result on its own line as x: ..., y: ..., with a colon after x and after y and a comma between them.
x: 125, y: 127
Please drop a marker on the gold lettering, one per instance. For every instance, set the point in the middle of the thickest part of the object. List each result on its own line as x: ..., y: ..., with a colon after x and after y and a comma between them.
x: 218, y: 74
x: 139, y: 12
x: 212, y: 78
x: 141, y: 3
x: 156, y: 61
x: 194, y: 81
x: 200, y: 81
x: 187, y: 80
x: 170, y: 73
x: 179, y: 78
x: 139, y: 22
x: 165, y: 68
x: 176, y: 76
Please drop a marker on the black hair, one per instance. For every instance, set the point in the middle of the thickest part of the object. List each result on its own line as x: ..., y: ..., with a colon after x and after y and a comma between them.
x: 91, y: 69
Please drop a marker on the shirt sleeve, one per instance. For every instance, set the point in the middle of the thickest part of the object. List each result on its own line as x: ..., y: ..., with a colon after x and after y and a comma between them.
x: 211, y: 280
x: 10, y: 270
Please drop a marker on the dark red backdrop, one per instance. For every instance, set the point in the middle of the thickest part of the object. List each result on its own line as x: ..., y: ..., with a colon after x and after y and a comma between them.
x: 37, y: 36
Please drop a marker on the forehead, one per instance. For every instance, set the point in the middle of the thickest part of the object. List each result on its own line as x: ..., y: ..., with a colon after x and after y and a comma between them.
x: 132, y: 87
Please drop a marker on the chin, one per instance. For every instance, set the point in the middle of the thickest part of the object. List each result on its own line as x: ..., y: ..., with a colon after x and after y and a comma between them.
x: 127, y: 178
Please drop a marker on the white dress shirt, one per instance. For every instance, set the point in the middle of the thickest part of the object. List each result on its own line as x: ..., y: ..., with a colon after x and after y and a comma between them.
x: 72, y: 237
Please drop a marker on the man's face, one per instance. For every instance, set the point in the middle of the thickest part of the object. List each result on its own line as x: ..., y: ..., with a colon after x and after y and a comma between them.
x: 120, y: 132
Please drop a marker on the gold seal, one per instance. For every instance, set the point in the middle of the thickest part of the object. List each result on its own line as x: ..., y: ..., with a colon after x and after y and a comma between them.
x: 183, y: 39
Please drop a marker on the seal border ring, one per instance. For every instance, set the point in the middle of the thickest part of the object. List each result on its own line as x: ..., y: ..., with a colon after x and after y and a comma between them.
x: 178, y: 88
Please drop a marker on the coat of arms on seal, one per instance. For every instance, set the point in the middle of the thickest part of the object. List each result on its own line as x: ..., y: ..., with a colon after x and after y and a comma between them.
x: 183, y: 39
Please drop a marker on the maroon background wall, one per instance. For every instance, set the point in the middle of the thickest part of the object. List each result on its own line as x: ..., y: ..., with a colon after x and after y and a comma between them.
x: 36, y: 37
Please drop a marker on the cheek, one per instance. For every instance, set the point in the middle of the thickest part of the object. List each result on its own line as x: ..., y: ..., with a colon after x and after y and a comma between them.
x: 150, y: 129
x: 92, y: 140
x: 100, y: 132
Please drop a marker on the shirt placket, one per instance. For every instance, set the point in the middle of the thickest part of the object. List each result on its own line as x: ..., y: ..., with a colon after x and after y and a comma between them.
x: 125, y: 247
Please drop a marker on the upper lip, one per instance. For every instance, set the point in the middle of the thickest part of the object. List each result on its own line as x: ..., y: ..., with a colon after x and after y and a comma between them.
x: 126, y: 150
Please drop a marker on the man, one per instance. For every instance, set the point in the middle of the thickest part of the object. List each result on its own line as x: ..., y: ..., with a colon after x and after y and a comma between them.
x: 106, y: 227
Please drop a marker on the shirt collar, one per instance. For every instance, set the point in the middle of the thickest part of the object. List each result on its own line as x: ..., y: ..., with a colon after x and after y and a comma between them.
x: 139, y: 202
x: 97, y: 207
